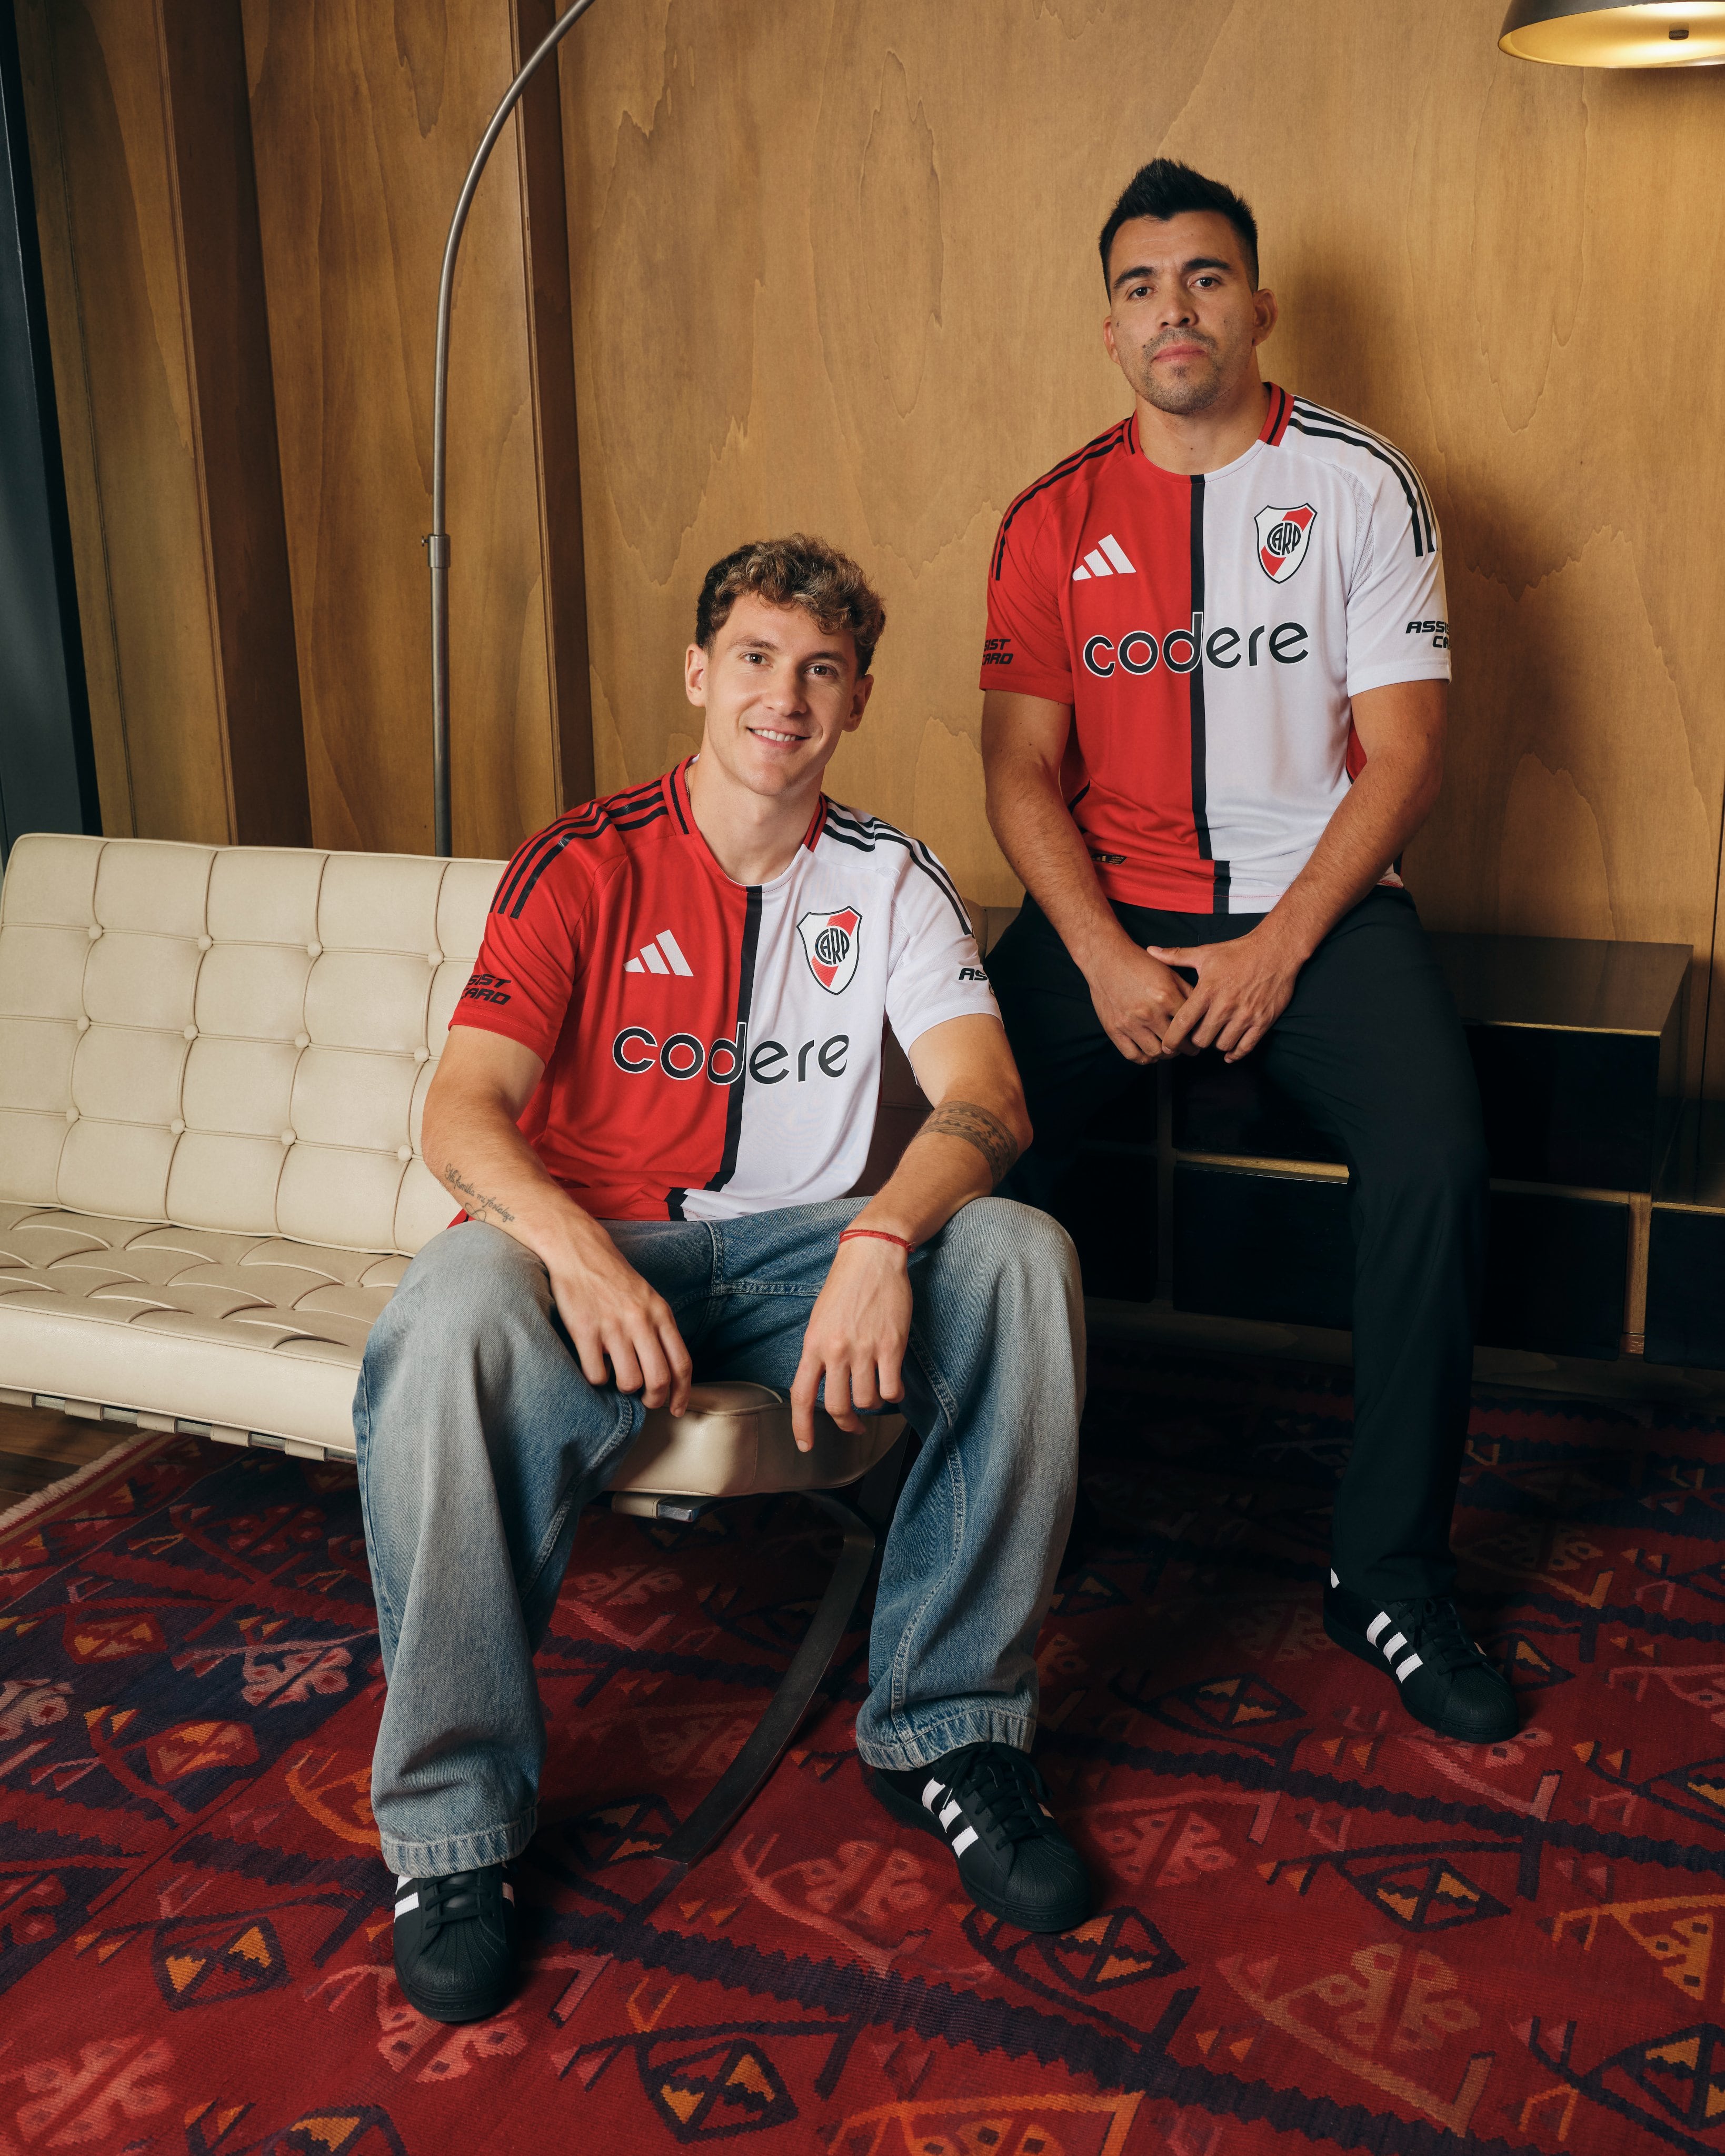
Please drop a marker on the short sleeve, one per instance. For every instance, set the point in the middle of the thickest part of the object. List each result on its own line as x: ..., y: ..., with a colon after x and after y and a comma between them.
x: 935, y: 969
x: 1398, y: 629
x: 1026, y: 649
x: 526, y: 972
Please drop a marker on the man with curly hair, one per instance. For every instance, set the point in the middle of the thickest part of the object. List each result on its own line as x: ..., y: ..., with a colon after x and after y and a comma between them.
x: 658, y: 1086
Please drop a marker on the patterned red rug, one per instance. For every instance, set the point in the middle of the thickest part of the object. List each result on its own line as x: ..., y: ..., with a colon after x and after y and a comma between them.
x: 1321, y: 1928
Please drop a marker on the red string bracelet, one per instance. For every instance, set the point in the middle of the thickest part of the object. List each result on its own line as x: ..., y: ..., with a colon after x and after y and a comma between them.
x: 879, y: 1235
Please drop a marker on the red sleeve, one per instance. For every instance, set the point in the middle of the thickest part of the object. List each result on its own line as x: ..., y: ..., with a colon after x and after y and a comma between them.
x: 1026, y: 649
x: 526, y: 972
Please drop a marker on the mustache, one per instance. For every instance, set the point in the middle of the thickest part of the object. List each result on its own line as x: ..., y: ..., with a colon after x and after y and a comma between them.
x: 1180, y: 336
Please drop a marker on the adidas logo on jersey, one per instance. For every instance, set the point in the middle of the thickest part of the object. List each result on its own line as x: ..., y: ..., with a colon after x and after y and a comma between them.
x: 661, y: 956
x: 1107, y: 558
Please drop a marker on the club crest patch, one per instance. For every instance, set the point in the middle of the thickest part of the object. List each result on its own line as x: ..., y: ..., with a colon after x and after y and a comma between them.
x: 830, y: 942
x: 1282, y: 534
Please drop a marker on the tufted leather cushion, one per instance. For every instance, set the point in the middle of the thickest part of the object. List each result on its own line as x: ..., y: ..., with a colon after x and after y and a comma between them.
x: 242, y: 1332
x: 239, y: 1039
x: 212, y: 1064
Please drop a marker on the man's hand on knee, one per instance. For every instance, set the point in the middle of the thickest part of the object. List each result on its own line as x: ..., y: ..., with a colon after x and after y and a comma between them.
x: 1136, y: 998
x: 1243, y: 987
x: 615, y: 1318
x: 855, y: 1339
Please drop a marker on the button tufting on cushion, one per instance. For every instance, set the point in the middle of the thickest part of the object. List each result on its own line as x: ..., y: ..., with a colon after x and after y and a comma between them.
x: 247, y: 1330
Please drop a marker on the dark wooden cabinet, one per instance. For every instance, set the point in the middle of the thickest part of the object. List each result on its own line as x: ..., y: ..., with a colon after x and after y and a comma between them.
x: 1686, y: 1247
x: 1578, y: 1047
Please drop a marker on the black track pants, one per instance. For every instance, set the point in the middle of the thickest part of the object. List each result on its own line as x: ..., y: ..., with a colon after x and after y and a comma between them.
x: 1371, y: 1048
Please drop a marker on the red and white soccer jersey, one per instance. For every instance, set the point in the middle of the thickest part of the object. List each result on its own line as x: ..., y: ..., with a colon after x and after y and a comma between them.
x: 1209, y: 632
x: 712, y: 1048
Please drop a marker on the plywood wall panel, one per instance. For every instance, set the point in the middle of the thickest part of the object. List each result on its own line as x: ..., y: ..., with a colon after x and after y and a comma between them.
x: 143, y: 591
x: 73, y: 400
x: 365, y: 116
x: 232, y: 407
x: 834, y: 266
x: 141, y: 145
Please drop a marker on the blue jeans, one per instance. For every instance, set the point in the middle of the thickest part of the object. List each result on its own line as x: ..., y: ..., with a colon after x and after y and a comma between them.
x: 479, y: 1441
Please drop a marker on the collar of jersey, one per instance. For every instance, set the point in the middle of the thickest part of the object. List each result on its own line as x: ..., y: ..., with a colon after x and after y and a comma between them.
x: 676, y: 788
x: 1160, y: 474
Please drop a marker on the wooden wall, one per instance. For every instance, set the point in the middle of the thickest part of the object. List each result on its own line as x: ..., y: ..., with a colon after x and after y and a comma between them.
x: 830, y: 264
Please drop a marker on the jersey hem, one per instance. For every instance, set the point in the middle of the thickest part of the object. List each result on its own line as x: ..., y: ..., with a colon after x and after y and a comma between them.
x: 491, y: 1022
x: 1386, y: 677
x: 1055, y: 688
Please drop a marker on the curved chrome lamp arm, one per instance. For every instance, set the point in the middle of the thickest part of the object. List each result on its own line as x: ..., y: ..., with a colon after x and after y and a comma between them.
x: 438, y: 543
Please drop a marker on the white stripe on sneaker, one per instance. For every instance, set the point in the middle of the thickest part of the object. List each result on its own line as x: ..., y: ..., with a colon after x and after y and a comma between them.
x: 950, y: 1812
x: 1335, y: 1580
x: 1406, y: 1669
x: 406, y: 1903
x: 963, y: 1841
x: 1392, y: 1648
x: 1377, y: 1624
x: 931, y: 1796
x: 508, y: 1891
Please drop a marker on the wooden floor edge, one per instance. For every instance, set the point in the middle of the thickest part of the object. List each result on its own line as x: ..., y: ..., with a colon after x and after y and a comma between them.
x: 51, y: 1493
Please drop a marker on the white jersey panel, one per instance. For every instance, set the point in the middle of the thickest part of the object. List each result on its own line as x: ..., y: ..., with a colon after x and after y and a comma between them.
x: 863, y: 924
x: 1361, y: 606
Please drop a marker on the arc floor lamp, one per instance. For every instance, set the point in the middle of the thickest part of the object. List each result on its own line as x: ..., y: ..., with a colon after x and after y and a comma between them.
x: 436, y: 544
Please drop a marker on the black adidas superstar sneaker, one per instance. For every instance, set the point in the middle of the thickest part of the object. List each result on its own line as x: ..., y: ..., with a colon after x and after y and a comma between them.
x: 990, y: 1806
x: 1445, y: 1679
x: 454, y: 1943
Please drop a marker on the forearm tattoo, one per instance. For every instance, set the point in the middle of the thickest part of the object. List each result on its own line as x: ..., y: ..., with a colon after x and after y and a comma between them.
x: 478, y: 1206
x: 964, y: 1119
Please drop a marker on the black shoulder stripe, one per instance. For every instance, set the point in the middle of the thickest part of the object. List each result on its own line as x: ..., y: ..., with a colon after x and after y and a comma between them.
x: 931, y: 866
x: 1066, y: 463
x: 946, y: 891
x: 918, y: 852
x: 864, y: 834
x: 640, y: 819
x: 1104, y: 445
x: 525, y: 857
x: 1363, y: 438
x: 1334, y: 434
x: 1366, y: 436
x: 560, y: 839
x: 539, y: 866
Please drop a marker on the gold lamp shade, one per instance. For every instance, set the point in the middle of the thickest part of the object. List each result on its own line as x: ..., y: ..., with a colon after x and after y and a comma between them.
x: 1642, y: 34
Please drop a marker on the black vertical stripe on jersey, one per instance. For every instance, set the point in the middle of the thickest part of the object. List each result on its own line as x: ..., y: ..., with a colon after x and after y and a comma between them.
x: 745, y: 998
x: 1194, y: 682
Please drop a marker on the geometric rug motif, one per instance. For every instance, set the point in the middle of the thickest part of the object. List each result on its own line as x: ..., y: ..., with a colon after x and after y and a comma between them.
x: 1318, y: 1926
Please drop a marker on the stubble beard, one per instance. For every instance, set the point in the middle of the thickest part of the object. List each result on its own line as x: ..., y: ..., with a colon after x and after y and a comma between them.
x: 1197, y: 392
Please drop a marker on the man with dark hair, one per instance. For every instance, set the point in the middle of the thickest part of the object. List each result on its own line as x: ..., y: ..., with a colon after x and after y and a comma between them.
x: 1216, y: 673
x: 658, y: 1087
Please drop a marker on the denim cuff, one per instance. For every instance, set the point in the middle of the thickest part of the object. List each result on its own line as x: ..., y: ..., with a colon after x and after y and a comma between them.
x: 932, y: 1739
x: 459, y: 1853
